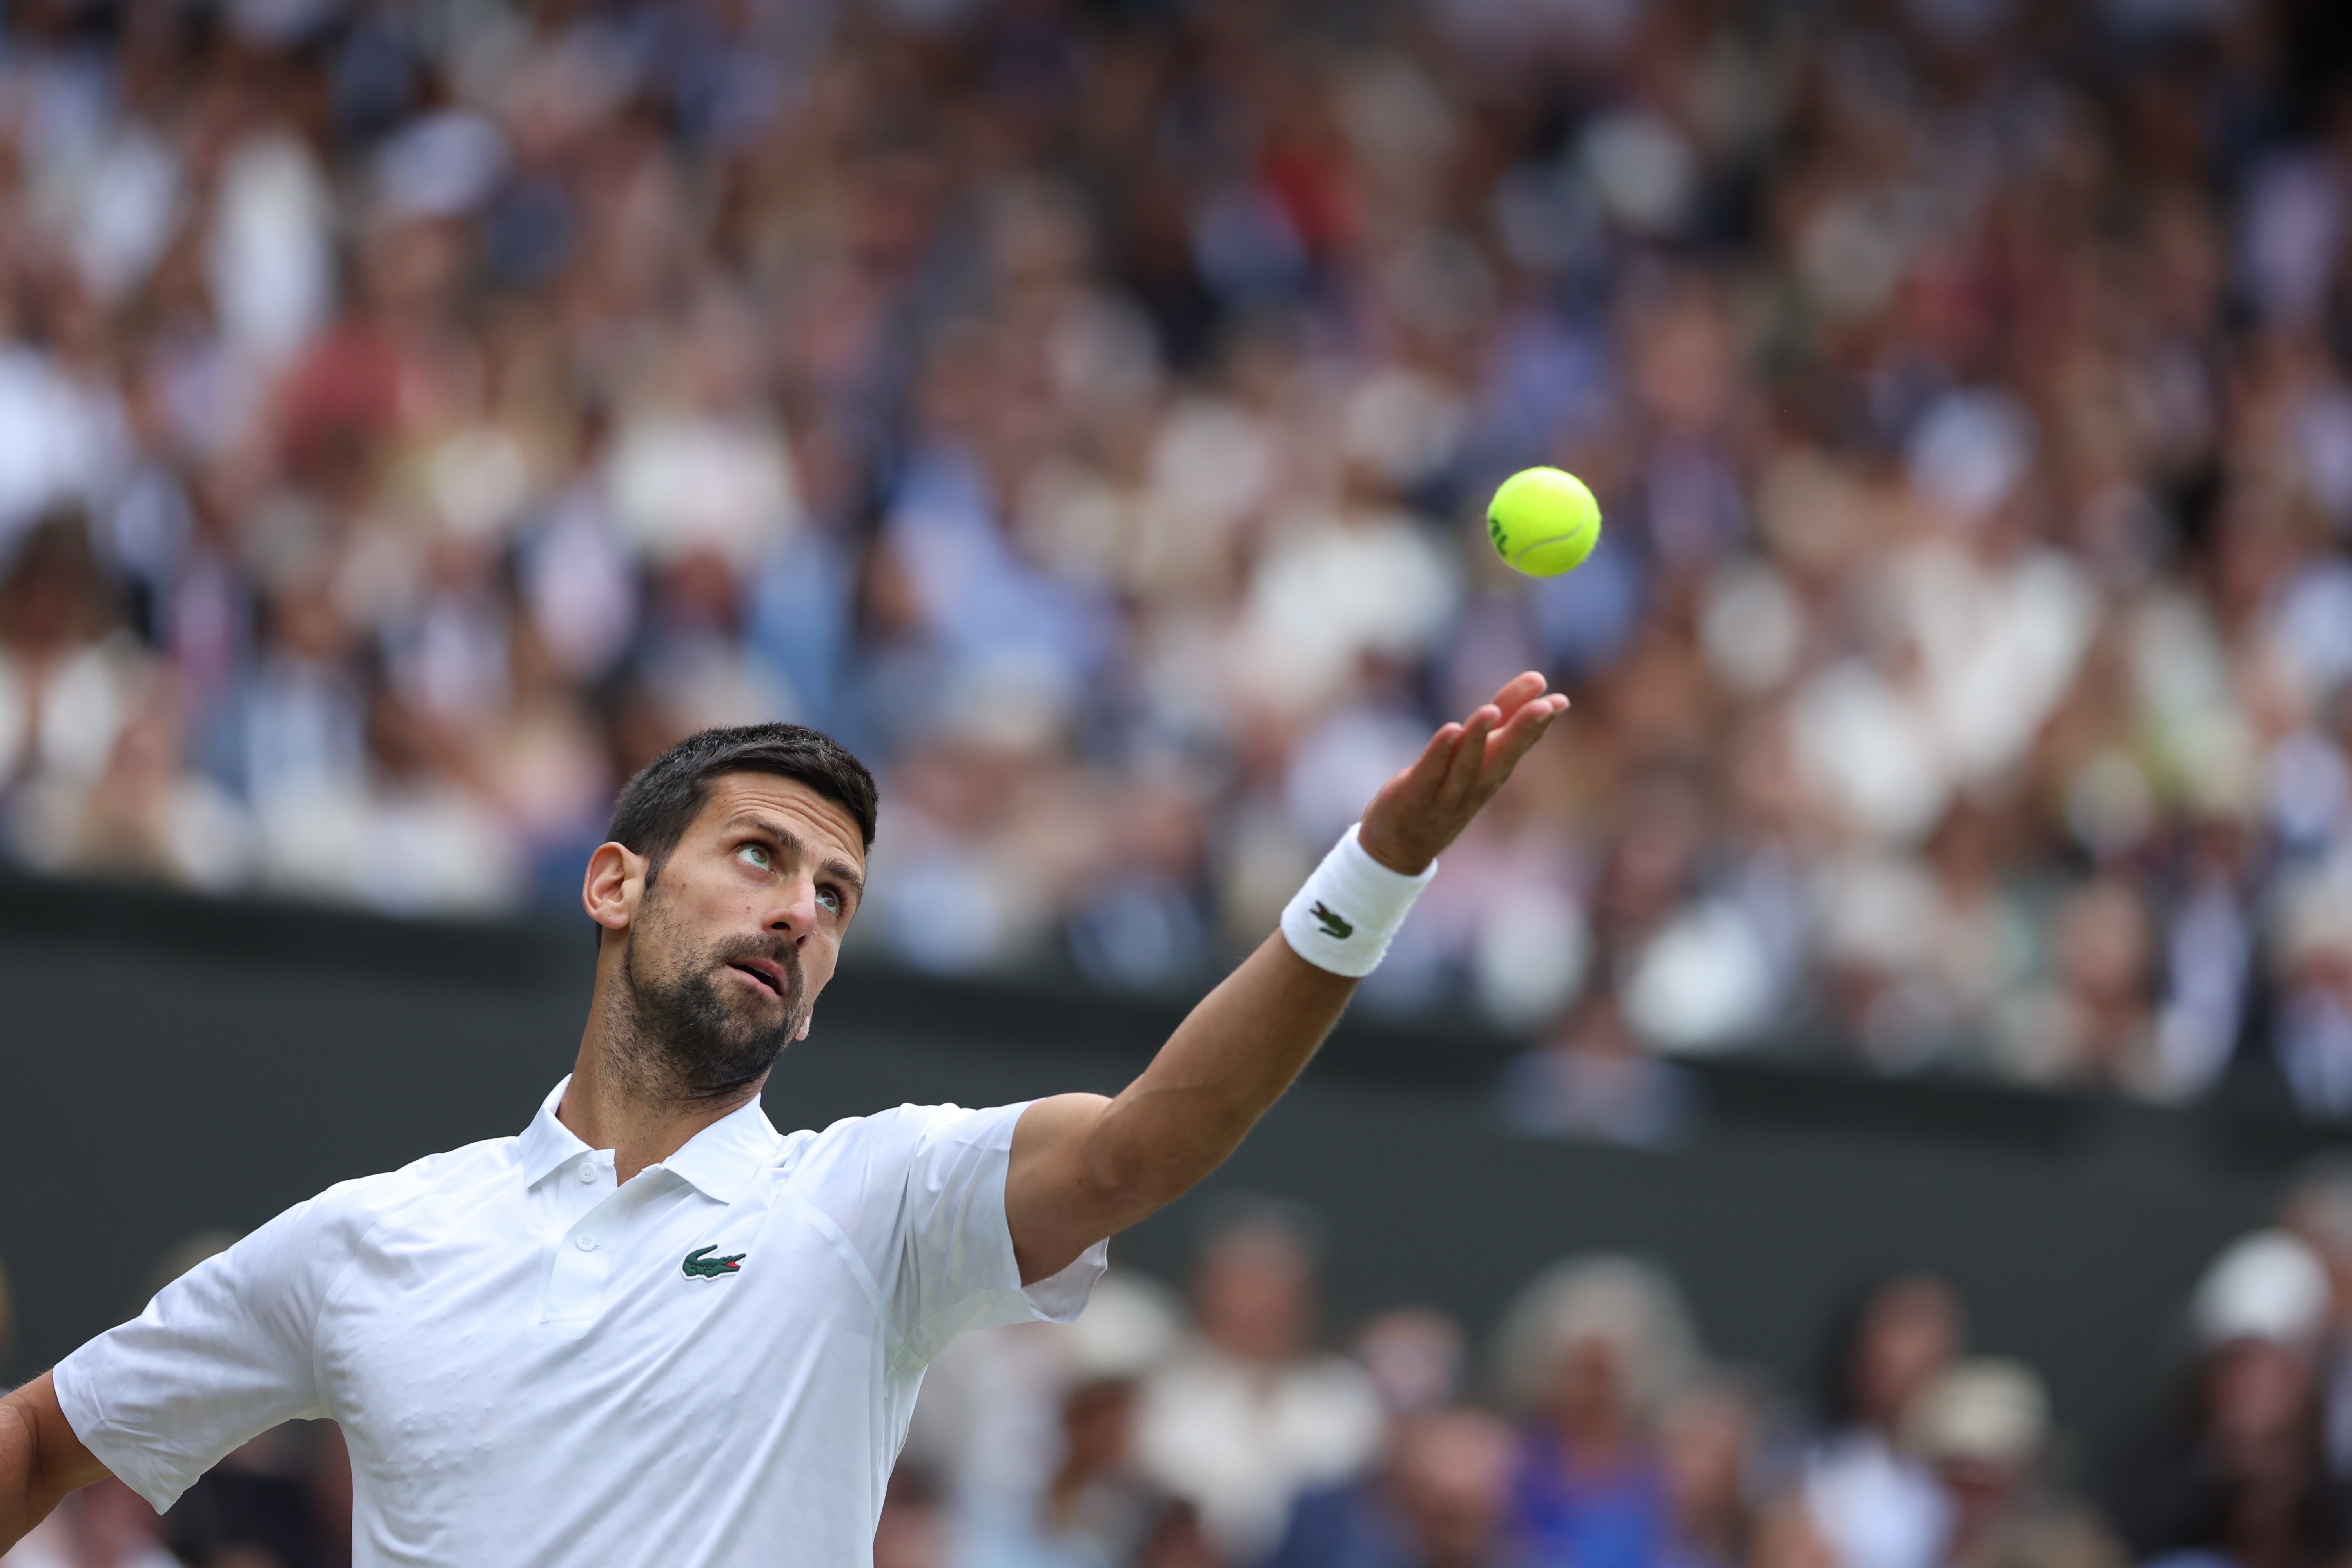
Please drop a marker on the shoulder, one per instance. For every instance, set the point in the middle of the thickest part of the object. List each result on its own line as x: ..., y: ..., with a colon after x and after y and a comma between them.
x: 459, y: 1169
x: 273, y: 1281
x: 1333, y: 1513
x: 349, y: 1210
x: 902, y: 1132
x: 892, y: 1156
x: 912, y: 1121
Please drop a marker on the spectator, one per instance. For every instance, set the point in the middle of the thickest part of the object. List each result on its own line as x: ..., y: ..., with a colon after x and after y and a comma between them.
x: 1788, y: 1537
x: 1415, y: 1357
x: 1592, y: 1352
x: 912, y: 1532
x: 1251, y: 1413
x: 265, y: 1500
x: 145, y: 815
x: 1096, y: 1511
x: 1096, y: 1508
x: 68, y: 681
x: 103, y: 1526
x: 2238, y: 1471
x: 992, y: 1406
x: 2318, y: 1213
x: 1874, y: 1504
x: 2096, y: 1020
x: 1442, y: 1501
x: 1707, y: 1453
x: 1593, y: 1078
x: 2311, y: 1038
x: 1980, y: 1425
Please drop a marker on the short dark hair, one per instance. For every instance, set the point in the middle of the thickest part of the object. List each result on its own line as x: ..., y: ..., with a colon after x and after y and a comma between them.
x: 654, y: 807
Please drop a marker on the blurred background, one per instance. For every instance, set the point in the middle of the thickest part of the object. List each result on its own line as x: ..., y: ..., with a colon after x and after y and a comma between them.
x: 1863, y: 1097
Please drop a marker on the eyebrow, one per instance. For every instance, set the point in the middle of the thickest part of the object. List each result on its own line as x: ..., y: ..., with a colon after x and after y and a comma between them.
x: 832, y: 866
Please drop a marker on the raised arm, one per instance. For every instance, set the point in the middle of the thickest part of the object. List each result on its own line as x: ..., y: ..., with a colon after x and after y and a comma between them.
x: 1084, y: 1166
x: 40, y: 1459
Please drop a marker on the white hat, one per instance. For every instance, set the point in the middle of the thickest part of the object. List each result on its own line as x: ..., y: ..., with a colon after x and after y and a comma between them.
x: 1130, y: 1325
x: 1987, y: 1409
x: 2266, y: 1286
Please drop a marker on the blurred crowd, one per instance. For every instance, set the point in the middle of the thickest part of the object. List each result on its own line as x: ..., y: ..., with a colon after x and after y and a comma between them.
x: 413, y: 417
x: 1215, y: 1429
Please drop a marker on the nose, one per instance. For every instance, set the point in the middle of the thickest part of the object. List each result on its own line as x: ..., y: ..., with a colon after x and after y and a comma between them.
x: 795, y: 909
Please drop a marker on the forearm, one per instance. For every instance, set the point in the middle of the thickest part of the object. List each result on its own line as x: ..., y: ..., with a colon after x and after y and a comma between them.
x: 1225, y: 1066
x: 1084, y: 1167
x: 40, y: 1459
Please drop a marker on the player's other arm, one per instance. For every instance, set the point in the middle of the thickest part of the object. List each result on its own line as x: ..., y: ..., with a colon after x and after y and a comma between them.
x: 1084, y: 1166
x: 40, y: 1459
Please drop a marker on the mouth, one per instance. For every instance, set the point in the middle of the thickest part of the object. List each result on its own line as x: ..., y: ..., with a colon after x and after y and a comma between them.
x: 763, y: 971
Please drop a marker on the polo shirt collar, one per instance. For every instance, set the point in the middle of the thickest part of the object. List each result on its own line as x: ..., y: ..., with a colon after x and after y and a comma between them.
x: 546, y: 1143
x: 719, y: 1162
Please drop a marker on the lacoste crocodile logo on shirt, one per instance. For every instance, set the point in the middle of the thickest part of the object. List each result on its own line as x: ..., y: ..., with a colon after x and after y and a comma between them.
x: 700, y: 1265
x: 1333, y: 926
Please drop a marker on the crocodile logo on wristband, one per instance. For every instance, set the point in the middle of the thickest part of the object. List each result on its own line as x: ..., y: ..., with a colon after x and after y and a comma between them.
x: 1333, y: 926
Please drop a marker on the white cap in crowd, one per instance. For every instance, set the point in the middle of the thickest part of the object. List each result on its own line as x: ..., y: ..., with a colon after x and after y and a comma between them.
x: 1986, y: 1410
x: 2267, y: 1286
x: 1130, y: 1325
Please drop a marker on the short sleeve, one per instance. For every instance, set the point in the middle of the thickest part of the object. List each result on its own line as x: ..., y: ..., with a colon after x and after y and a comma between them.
x: 956, y: 1271
x: 220, y: 1355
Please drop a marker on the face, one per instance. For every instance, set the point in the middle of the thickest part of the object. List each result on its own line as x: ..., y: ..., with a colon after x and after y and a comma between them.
x: 738, y: 930
x: 1414, y: 1358
x: 1590, y: 1397
x: 1254, y: 1297
x: 1453, y: 1475
x: 1099, y: 1424
x: 2256, y: 1389
x: 1704, y: 1454
x: 1909, y: 1333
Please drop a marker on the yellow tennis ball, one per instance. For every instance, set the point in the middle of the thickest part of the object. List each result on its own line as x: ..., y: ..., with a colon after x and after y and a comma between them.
x: 1544, y: 522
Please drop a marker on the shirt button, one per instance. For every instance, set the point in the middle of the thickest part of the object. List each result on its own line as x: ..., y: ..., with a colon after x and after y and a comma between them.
x: 587, y: 1171
x: 587, y: 1243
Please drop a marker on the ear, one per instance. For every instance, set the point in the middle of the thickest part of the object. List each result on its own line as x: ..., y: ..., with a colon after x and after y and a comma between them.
x: 614, y: 883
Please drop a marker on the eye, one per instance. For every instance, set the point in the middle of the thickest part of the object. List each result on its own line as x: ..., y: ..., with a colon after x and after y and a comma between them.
x: 754, y: 854
x: 831, y: 898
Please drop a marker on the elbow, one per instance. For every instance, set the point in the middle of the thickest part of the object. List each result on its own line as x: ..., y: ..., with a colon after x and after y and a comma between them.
x: 1126, y: 1186
x: 1145, y: 1150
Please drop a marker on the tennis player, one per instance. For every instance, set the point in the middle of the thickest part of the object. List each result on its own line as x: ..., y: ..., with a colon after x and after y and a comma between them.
x: 651, y: 1330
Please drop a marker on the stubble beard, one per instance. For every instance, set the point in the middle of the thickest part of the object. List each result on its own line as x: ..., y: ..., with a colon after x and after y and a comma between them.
x: 688, y: 1040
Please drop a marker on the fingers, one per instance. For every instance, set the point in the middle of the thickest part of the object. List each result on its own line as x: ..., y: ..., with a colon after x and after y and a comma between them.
x: 1519, y: 690
x: 1469, y: 760
x: 1539, y: 712
x: 1528, y: 725
x: 1515, y: 738
x: 1465, y: 762
x: 1486, y: 745
x: 1521, y: 700
x: 1427, y: 775
x: 1421, y: 810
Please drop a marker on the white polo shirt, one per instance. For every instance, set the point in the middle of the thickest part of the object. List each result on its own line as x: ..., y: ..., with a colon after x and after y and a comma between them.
x: 713, y: 1363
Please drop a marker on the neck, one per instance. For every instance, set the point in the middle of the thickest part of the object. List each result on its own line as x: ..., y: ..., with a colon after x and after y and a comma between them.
x: 619, y: 1098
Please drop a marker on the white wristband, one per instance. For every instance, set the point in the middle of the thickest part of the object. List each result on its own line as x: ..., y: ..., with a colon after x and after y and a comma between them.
x: 1343, y: 917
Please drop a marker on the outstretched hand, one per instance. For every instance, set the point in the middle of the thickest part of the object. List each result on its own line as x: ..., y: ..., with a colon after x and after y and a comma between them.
x: 1424, y: 809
